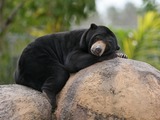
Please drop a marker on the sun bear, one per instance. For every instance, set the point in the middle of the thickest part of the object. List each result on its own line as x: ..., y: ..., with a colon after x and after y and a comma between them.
x: 46, y: 63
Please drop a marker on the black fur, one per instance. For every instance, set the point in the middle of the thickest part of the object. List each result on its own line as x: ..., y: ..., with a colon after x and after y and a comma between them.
x: 46, y: 63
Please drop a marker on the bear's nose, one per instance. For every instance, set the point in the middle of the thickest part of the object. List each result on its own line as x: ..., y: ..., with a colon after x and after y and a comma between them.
x: 98, y: 50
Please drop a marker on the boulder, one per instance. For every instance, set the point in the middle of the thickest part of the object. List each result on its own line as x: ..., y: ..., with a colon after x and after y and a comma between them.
x: 117, y: 89
x: 22, y: 103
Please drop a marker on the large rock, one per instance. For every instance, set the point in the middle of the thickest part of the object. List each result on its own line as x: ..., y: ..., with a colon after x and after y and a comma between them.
x: 118, y: 89
x: 22, y: 103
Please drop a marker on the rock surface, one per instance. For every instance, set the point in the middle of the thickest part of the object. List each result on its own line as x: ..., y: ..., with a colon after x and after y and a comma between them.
x: 118, y: 89
x: 22, y: 103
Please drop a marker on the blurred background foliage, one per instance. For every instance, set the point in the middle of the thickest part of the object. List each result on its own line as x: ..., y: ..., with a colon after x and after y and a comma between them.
x: 23, y: 20
x: 143, y: 43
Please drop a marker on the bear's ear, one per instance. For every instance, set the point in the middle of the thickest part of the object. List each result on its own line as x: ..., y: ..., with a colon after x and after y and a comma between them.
x: 118, y: 47
x: 93, y: 26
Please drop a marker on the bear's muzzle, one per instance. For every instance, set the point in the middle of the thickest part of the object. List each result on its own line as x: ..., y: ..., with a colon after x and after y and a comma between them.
x: 98, y: 48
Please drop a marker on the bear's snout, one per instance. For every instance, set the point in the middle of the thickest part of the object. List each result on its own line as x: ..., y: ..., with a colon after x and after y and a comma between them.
x: 98, y: 48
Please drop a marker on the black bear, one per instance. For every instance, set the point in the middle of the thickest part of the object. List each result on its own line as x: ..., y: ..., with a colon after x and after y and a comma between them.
x: 46, y: 63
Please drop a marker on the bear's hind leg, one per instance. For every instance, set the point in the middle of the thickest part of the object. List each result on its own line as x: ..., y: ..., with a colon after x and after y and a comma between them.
x: 54, y: 84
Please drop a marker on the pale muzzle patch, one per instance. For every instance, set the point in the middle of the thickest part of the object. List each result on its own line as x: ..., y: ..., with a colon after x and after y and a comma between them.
x: 98, y: 48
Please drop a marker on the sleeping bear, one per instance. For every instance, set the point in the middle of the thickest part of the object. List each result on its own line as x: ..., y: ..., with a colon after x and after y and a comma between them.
x: 46, y: 63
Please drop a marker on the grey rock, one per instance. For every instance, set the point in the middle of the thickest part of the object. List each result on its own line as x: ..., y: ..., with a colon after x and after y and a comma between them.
x: 117, y: 89
x: 22, y: 103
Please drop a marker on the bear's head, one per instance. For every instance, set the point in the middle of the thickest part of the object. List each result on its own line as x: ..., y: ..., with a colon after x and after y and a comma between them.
x: 99, y: 40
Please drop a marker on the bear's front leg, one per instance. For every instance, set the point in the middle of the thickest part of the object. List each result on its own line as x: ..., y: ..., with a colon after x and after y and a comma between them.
x: 78, y: 60
x: 112, y: 55
x: 54, y: 83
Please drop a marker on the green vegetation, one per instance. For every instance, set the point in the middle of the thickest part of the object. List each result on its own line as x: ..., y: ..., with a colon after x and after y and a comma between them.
x: 143, y: 43
x: 23, y: 20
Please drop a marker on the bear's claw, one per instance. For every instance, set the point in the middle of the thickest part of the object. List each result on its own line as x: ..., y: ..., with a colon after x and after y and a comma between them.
x: 121, y: 55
